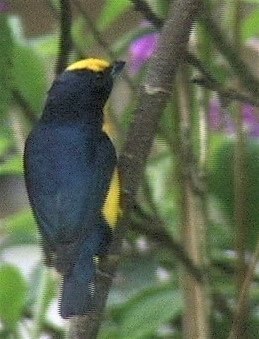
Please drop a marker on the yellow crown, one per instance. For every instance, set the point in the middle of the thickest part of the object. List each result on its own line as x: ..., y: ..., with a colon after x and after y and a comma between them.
x: 91, y: 64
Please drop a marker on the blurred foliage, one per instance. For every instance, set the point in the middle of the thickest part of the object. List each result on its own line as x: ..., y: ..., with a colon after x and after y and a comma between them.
x: 30, y: 76
x: 146, y: 301
x: 13, y: 290
x: 222, y: 182
x: 6, y: 46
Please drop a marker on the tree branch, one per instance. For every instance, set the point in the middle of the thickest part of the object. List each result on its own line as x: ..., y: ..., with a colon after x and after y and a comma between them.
x: 241, y: 305
x: 96, y: 33
x: 240, y: 68
x: 65, y: 43
x: 155, y: 230
x: 20, y: 100
x: 154, y: 95
x: 193, y: 219
x: 143, y: 7
x: 236, y: 63
x: 226, y: 93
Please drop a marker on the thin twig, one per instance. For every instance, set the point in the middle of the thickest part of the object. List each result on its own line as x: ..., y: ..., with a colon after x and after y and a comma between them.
x: 96, y: 33
x: 39, y: 310
x: 143, y: 7
x: 244, y: 292
x: 155, y: 230
x: 65, y: 43
x: 47, y: 327
x: 21, y: 101
x: 240, y: 68
x: 226, y: 93
x: 237, y: 64
x: 222, y: 305
x: 195, y: 62
x: 241, y: 184
x: 98, y: 37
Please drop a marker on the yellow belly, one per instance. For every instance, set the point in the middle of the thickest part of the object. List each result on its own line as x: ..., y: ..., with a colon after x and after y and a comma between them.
x: 111, y: 208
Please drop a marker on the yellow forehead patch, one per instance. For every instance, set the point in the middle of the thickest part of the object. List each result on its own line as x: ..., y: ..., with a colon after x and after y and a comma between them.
x: 95, y: 65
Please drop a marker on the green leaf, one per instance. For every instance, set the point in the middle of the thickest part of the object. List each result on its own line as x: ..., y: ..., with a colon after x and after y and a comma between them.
x: 13, y: 290
x: 220, y: 237
x: 160, y: 177
x: 21, y: 227
x: 221, y: 182
x: 5, y: 144
x: 250, y: 27
x: 138, y: 272
x: 47, y: 46
x: 29, y: 76
x: 12, y: 166
x: 6, y: 47
x: 111, y: 11
x: 146, y: 312
x: 252, y: 1
x: 109, y: 331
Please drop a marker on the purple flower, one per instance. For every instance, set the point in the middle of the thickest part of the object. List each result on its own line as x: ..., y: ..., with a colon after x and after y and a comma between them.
x: 251, y: 120
x: 221, y: 120
x: 141, y: 50
x: 4, y: 6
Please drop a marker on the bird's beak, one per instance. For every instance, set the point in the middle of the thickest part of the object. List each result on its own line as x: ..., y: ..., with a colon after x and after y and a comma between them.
x: 117, y: 67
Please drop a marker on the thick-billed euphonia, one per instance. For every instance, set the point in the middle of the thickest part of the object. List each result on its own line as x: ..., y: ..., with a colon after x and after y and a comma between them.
x: 72, y: 180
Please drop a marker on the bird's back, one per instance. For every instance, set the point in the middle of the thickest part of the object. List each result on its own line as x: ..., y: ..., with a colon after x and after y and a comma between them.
x: 68, y: 170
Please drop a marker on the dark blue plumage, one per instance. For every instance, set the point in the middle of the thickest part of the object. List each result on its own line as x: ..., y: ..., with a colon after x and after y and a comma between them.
x: 69, y: 163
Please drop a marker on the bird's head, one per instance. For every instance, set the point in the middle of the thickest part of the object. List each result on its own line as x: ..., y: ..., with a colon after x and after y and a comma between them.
x: 82, y: 89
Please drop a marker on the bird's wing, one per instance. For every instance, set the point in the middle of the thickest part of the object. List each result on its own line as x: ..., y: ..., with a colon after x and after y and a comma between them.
x: 67, y: 183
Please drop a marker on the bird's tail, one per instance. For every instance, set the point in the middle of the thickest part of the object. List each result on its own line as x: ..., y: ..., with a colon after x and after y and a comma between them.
x: 78, y: 295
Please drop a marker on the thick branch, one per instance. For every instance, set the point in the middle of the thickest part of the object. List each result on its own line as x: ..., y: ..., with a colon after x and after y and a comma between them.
x: 154, y: 95
x: 143, y: 7
x: 224, y: 46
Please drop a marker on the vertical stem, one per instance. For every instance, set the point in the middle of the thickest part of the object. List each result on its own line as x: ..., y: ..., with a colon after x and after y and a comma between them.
x: 196, y: 317
x: 39, y: 307
x: 65, y: 42
x: 205, y: 50
x: 240, y: 188
x: 241, y: 306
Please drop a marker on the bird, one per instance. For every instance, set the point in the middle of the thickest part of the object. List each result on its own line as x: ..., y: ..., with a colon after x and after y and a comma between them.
x: 72, y: 180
